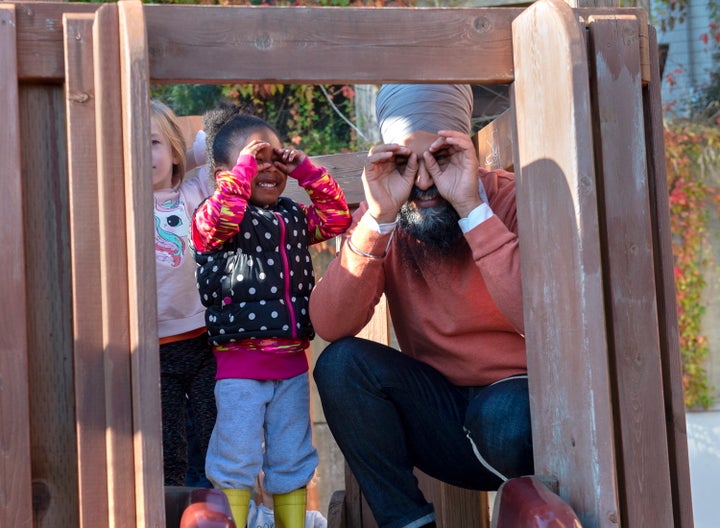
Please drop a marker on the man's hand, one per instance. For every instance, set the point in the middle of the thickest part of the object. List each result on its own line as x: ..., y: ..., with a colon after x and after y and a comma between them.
x: 457, y: 179
x: 388, y: 178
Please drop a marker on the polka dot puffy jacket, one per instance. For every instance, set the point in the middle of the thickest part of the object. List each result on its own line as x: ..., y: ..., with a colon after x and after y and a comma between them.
x: 258, y: 284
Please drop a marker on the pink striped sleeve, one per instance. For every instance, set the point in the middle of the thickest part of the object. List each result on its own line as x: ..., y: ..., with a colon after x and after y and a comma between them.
x: 329, y: 214
x: 218, y: 218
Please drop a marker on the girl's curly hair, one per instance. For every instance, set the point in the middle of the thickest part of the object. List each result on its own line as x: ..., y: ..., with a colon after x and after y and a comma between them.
x: 227, y: 127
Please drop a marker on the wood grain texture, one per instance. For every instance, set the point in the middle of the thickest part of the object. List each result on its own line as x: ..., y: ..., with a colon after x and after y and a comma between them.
x: 666, y: 297
x: 495, y: 143
x: 566, y: 338
x: 347, y: 170
x: 294, y: 45
x: 642, y: 456
x: 40, y: 38
x: 145, y: 357
x: 113, y: 268
x: 16, y: 507
x: 85, y: 240
x: 49, y: 324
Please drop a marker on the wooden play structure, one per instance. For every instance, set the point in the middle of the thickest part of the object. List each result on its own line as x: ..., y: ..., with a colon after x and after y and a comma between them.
x: 79, y: 373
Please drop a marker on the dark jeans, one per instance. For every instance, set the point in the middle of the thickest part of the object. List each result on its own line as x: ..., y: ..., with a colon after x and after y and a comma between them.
x: 390, y: 413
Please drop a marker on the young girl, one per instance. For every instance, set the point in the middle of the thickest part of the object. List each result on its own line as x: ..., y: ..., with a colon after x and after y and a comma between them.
x: 255, y: 278
x: 187, y: 365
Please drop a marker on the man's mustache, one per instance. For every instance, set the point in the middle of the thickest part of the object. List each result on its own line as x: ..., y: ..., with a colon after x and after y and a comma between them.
x: 424, y: 194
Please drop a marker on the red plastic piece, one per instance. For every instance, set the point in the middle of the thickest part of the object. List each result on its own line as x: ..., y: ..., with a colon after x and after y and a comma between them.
x: 209, y: 508
x: 526, y: 502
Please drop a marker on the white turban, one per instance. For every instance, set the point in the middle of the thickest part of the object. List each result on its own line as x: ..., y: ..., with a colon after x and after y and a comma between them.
x: 404, y: 108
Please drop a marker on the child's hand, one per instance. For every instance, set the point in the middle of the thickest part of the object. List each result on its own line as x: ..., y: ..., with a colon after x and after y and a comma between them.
x: 252, y: 148
x: 288, y: 159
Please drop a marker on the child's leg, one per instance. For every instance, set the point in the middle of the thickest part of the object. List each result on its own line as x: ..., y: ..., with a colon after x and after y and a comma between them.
x: 239, y: 500
x: 290, y: 508
x: 234, y: 455
x: 290, y: 458
x: 172, y: 394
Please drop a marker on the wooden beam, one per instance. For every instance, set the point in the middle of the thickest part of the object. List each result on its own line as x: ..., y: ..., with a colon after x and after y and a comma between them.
x: 113, y: 269
x: 85, y: 239
x: 16, y: 506
x: 495, y: 143
x: 272, y: 44
x: 566, y: 337
x: 40, y: 38
x: 294, y: 45
x: 145, y: 356
x: 636, y: 372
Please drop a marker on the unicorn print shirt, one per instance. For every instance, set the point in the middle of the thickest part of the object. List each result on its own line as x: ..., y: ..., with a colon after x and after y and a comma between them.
x: 179, y: 308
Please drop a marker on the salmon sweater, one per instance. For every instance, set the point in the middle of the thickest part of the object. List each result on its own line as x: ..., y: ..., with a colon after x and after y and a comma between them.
x: 461, y: 316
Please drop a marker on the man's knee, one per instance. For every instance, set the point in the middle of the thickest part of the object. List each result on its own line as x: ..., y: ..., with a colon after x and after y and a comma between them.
x: 334, y: 361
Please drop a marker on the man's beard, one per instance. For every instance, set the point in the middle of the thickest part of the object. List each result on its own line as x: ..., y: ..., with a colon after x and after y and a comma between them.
x: 429, y: 233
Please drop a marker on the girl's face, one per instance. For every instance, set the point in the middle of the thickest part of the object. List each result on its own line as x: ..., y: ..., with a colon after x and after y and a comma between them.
x: 162, y: 158
x: 269, y: 183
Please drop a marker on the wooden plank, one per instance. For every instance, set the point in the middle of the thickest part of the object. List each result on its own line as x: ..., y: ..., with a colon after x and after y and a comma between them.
x: 495, y: 144
x: 454, y: 507
x: 642, y: 456
x: 84, y: 242
x: 561, y: 262
x: 329, y: 45
x: 360, y: 47
x: 50, y: 340
x: 40, y: 38
x: 190, y: 126
x: 584, y: 13
x: 16, y: 507
x: 114, y: 269
x: 666, y: 297
x: 145, y: 357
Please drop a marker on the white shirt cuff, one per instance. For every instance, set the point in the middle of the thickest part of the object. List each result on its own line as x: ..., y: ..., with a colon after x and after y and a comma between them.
x: 476, y: 217
x: 383, y: 229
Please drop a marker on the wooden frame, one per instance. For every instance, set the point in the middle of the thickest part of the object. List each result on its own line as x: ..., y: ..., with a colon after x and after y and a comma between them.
x: 80, y: 369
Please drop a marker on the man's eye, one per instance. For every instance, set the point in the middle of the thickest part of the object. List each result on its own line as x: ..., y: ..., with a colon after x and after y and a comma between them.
x: 401, y: 163
x: 442, y: 159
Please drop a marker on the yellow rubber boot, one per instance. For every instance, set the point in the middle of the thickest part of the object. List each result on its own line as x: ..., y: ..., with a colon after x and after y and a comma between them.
x: 239, y: 500
x: 290, y: 509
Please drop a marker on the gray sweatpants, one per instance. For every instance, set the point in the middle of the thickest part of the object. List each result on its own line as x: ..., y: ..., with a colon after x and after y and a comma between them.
x: 253, y: 411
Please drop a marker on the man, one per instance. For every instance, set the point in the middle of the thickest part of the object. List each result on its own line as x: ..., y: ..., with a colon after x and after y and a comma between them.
x: 438, y: 236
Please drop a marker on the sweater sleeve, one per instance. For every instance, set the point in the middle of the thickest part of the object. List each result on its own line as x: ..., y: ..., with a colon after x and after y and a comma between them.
x: 218, y: 218
x: 329, y: 214
x: 351, y: 285
x: 495, y: 248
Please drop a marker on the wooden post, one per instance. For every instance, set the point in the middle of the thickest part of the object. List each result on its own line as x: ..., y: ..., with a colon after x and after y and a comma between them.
x: 85, y: 240
x: 636, y: 370
x: 114, y: 269
x: 16, y: 508
x: 145, y: 357
x: 567, y: 348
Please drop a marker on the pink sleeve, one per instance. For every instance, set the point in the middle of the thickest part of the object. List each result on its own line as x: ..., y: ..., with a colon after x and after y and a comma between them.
x: 329, y: 214
x: 218, y: 218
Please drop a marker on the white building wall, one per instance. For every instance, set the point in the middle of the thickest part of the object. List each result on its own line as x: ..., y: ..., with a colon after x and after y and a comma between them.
x: 689, y: 59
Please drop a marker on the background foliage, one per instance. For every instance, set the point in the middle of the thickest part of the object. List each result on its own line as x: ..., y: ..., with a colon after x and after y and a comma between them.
x: 692, y: 154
